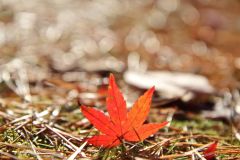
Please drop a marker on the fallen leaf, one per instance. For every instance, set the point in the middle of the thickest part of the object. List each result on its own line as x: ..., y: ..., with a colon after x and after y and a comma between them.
x: 209, y: 153
x: 120, y: 124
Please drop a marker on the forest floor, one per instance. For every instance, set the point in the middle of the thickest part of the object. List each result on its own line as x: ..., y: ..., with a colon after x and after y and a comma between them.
x: 57, y: 55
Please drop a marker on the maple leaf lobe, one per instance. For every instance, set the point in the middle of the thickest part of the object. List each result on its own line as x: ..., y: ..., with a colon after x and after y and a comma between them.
x: 116, y: 105
x: 139, y: 112
x: 99, y: 120
x: 104, y: 141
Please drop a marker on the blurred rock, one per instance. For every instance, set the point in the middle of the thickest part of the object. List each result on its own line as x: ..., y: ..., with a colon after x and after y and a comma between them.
x: 171, y: 84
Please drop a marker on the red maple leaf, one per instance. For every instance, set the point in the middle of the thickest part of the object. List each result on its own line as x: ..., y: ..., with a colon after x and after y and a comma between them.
x: 209, y: 153
x: 120, y: 124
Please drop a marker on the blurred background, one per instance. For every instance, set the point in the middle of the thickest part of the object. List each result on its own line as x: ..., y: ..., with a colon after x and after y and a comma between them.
x: 41, y: 38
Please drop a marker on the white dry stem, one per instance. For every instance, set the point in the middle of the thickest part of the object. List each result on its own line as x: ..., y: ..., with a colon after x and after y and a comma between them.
x: 196, y: 150
x: 35, y: 152
x: 26, y: 117
x: 200, y: 156
x: 59, y: 133
x: 72, y: 146
x: 67, y: 134
x: 72, y: 157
